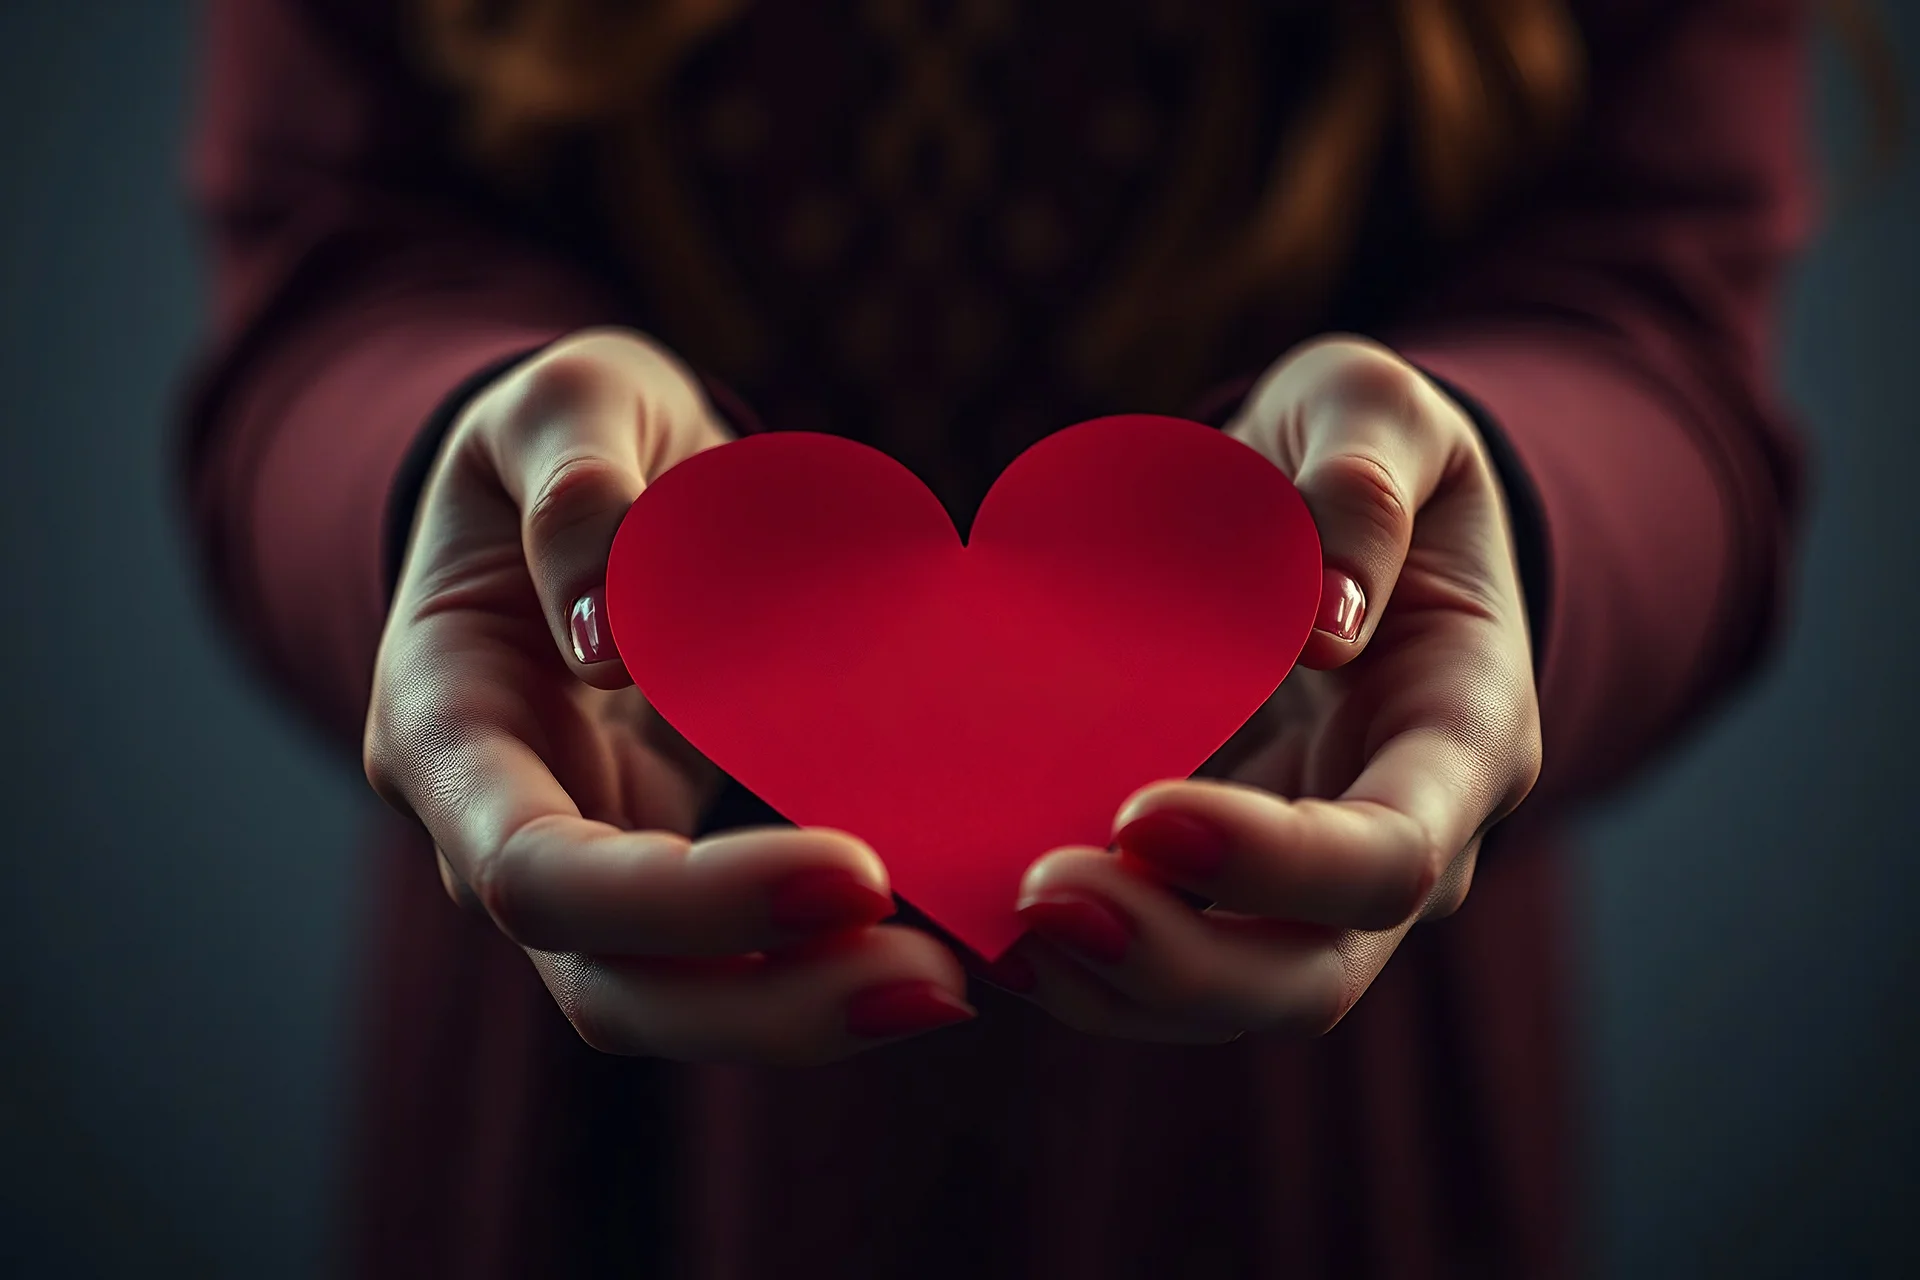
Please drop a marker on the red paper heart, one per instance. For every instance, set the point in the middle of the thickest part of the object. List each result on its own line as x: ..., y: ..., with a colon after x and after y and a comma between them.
x: 800, y: 607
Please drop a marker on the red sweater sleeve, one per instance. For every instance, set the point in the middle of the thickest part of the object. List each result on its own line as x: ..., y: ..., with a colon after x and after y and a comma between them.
x: 1620, y: 336
x: 355, y: 285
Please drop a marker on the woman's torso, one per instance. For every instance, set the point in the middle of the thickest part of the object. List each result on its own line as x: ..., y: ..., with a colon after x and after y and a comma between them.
x: 903, y: 221
x: 911, y: 222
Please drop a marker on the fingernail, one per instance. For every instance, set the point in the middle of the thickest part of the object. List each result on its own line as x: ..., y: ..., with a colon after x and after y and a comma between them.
x: 1343, y: 606
x: 904, y: 1009
x: 1176, y: 843
x: 591, y: 643
x: 827, y: 898
x: 1095, y: 928
x: 1014, y: 972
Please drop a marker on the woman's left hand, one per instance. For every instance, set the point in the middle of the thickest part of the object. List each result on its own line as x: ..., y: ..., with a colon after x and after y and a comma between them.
x: 1353, y: 805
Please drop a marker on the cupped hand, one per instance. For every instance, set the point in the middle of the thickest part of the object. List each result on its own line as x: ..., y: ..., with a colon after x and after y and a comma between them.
x: 559, y: 803
x: 1354, y: 804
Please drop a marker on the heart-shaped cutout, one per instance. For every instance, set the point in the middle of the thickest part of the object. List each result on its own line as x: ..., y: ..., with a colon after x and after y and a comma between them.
x: 800, y: 607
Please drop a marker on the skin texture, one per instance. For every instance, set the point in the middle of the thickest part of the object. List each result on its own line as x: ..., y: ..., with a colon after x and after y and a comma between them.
x: 1354, y: 804
x: 561, y: 805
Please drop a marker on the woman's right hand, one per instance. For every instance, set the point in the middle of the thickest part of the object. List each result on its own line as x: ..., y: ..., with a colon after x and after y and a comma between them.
x: 560, y: 804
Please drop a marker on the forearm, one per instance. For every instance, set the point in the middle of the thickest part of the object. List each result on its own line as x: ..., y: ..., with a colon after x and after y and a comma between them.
x: 358, y: 278
x: 290, y: 488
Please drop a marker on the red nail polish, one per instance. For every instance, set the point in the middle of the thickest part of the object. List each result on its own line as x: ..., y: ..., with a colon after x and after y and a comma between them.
x: 820, y: 898
x: 1343, y: 606
x: 1176, y: 843
x: 1014, y: 972
x: 1095, y: 928
x: 588, y: 622
x: 904, y: 1009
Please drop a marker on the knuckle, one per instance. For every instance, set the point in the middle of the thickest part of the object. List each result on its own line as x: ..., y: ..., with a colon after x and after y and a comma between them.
x: 1369, y: 376
x: 1328, y: 360
x: 1368, y: 486
x: 577, y: 488
x: 557, y: 384
x: 1366, y: 378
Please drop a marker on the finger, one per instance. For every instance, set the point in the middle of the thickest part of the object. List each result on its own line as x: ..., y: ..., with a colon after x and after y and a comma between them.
x: 1213, y: 970
x: 559, y: 882
x: 449, y: 743
x: 570, y: 884
x: 805, y: 1007
x: 574, y: 439
x: 1367, y: 441
x: 1358, y: 862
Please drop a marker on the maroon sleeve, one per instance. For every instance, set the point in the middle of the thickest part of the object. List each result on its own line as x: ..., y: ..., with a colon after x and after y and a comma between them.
x: 1613, y: 340
x: 1620, y: 336
x: 357, y: 282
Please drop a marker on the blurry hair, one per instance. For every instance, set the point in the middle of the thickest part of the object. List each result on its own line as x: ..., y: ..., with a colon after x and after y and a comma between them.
x: 1477, y: 93
x: 525, y: 69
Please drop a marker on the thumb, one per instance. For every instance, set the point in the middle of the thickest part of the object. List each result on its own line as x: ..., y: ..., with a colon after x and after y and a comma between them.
x: 1367, y: 440
x: 575, y: 439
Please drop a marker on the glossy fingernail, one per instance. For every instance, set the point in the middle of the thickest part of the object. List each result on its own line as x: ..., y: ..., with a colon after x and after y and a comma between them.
x: 1088, y: 926
x: 1014, y: 972
x: 904, y: 1009
x: 591, y: 641
x: 1343, y: 606
x: 1175, y: 843
x: 827, y: 898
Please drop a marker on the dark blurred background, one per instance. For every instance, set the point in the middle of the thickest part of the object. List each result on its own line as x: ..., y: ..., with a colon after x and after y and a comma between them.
x: 178, y: 915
